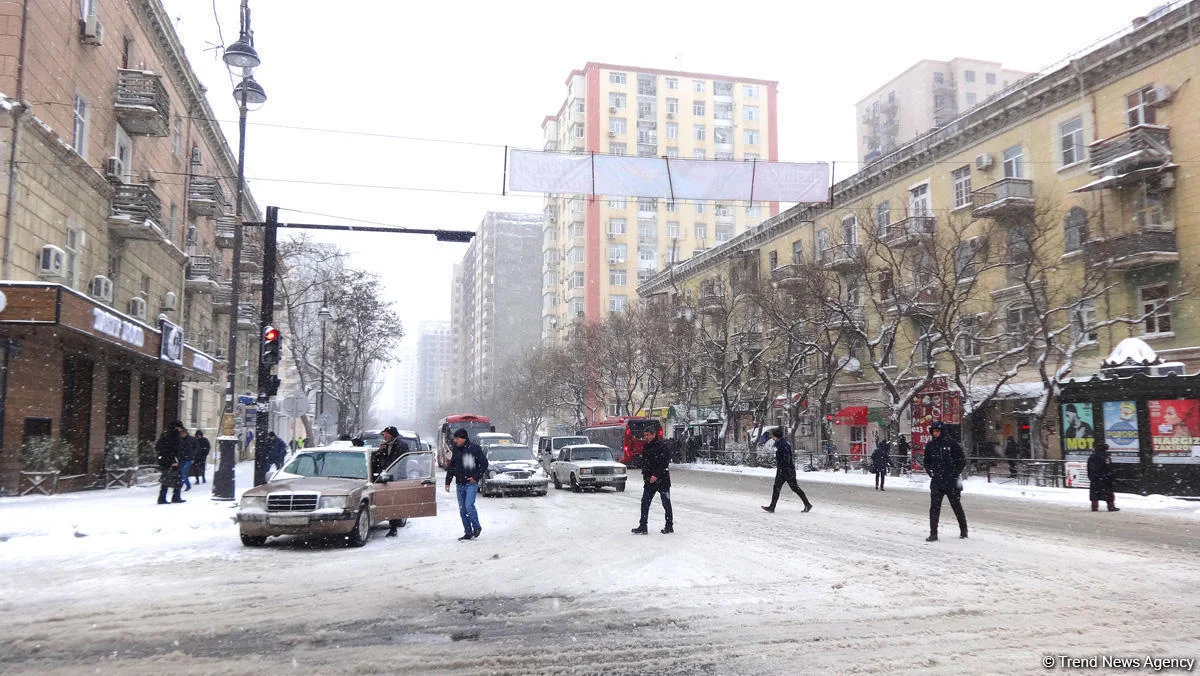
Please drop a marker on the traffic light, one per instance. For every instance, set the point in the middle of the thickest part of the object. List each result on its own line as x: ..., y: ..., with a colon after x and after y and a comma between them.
x: 270, y: 346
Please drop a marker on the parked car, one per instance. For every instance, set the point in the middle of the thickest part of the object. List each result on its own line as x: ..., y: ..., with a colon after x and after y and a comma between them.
x: 548, y: 447
x: 512, y: 468
x: 372, y: 439
x: 587, y: 466
x: 485, y: 439
x: 329, y: 491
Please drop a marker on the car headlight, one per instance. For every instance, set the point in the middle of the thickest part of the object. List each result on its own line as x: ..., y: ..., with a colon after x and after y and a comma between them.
x: 254, y: 502
x: 619, y: 470
x: 491, y: 475
x: 333, y: 502
x: 539, y: 472
x: 585, y: 470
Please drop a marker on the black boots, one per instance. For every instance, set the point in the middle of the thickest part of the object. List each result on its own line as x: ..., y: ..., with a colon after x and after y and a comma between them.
x: 770, y: 509
x: 808, y: 506
x: 640, y: 530
x: 667, y: 530
x: 932, y: 538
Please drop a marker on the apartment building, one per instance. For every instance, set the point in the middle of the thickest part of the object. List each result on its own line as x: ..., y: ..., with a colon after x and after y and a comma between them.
x: 117, y: 234
x: 494, y: 303
x: 1083, y: 161
x: 434, y: 361
x: 596, y: 250
x: 926, y: 95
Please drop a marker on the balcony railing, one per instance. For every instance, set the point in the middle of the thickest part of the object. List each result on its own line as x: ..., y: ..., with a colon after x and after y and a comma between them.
x: 1133, y: 250
x: 1146, y: 145
x: 1006, y: 197
x: 206, y: 197
x: 222, y: 299
x: 710, y: 303
x: 135, y: 212
x: 251, y: 260
x: 840, y: 256
x: 788, y: 275
x: 203, y: 273
x: 224, y: 231
x: 142, y: 106
x: 908, y: 231
x: 247, y: 316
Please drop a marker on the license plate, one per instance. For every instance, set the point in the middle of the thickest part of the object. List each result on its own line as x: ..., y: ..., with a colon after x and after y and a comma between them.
x: 288, y: 521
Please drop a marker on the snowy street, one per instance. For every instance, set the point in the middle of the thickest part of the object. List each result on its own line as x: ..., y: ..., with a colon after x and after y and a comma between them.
x: 108, y: 582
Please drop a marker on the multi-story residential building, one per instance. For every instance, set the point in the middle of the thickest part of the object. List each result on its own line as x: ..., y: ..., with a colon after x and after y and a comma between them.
x: 434, y: 351
x: 117, y: 234
x: 495, y: 302
x: 1056, y: 208
x: 929, y: 94
x: 404, y: 392
x: 595, y: 251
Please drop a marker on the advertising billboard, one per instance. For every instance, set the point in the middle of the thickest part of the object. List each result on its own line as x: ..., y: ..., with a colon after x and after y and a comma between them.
x: 1173, y: 422
x: 1121, y: 430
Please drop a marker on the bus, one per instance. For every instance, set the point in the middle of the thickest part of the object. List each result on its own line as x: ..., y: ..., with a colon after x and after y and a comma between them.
x: 623, y: 436
x: 473, y: 424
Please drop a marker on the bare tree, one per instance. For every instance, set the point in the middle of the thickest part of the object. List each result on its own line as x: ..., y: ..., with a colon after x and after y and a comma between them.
x: 365, y: 333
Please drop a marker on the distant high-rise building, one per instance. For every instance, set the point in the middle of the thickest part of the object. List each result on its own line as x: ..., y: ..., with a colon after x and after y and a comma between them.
x: 494, y: 302
x: 595, y: 252
x: 929, y: 94
x: 404, y: 395
x: 433, y: 360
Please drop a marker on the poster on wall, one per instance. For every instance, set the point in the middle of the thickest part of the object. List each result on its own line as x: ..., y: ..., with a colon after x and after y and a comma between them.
x: 1078, y: 434
x: 1172, y: 424
x: 1121, y: 430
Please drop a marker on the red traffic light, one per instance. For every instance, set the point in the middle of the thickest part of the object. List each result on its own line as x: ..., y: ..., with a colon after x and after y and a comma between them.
x: 829, y: 417
x: 270, y: 334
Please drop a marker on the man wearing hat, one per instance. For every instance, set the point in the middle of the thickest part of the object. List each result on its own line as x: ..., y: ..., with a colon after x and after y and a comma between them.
x: 468, y: 465
x: 390, y: 449
x: 944, y: 463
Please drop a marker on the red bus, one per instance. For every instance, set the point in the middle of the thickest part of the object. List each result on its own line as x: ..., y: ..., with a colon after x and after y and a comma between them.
x: 623, y: 436
x: 473, y: 424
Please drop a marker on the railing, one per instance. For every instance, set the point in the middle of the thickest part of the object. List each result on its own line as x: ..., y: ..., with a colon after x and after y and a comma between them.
x: 786, y: 274
x: 205, y: 196
x: 137, y: 202
x: 1143, y: 145
x: 1014, y: 192
x: 142, y: 104
x: 839, y: 253
x: 203, y: 268
x: 911, y: 227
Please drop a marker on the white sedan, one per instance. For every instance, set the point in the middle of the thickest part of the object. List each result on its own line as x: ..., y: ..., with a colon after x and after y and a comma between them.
x: 587, y: 466
x: 513, y: 468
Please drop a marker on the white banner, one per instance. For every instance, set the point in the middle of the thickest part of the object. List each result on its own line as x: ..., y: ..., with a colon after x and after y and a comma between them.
x: 547, y: 172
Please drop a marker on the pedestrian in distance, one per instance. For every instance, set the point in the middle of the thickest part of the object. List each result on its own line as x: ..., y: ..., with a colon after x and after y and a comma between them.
x: 187, y: 455
x: 1013, y: 453
x: 785, y: 472
x: 880, y: 462
x: 468, y: 465
x: 902, y: 451
x: 944, y: 463
x: 656, y: 478
x: 200, y: 465
x: 1100, y: 478
x: 167, y: 450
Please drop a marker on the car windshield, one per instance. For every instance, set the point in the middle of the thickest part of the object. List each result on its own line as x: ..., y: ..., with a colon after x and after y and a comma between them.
x: 568, y: 441
x: 509, y: 452
x: 598, y: 453
x: 331, y: 464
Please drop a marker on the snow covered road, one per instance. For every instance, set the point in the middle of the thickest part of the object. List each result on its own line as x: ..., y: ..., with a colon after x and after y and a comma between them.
x: 108, y: 583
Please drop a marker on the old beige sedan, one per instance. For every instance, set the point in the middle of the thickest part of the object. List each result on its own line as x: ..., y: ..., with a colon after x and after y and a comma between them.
x: 330, y: 492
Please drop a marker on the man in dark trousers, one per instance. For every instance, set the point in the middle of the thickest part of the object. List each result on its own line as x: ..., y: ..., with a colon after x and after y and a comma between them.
x: 1013, y: 453
x: 203, y: 448
x: 656, y: 478
x: 187, y: 455
x: 880, y: 462
x: 167, y: 449
x: 944, y: 462
x: 276, y: 451
x: 785, y: 471
x: 468, y: 465
x: 1100, y: 478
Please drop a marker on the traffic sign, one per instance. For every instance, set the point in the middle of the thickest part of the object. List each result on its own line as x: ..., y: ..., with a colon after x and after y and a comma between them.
x: 294, y: 405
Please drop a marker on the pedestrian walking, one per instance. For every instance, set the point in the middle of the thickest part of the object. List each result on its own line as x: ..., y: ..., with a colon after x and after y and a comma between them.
x: 187, y: 455
x: 944, y: 463
x: 468, y: 465
x: 1100, y: 478
x: 656, y: 478
x: 276, y: 451
x: 167, y: 450
x: 880, y: 462
x: 1013, y: 453
x: 785, y: 471
x: 200, y: 465
x: 902, y: 451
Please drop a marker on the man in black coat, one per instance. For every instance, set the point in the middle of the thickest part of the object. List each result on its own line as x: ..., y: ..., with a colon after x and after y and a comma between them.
x: 187, y: 455
x: 468, y: 465
x: 167, y: 448
x: 656, y: 478
x: 203, y: 447
x: 785, y: 471
x: 880, y: 462
x: 390, y: 450
x: 1100, y: 478
x: 944, y: 462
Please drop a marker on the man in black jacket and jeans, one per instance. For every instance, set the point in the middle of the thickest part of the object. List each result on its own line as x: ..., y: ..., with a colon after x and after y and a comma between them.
x: 785, y: 471
x: 656, y: 478
x: 944, y: 463
x: 468, y: 465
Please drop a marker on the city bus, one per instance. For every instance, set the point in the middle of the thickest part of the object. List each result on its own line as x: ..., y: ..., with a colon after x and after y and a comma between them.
x: 473, y: 424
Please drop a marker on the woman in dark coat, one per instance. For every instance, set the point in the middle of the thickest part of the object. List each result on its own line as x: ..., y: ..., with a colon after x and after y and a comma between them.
x: 880, y: 462
x: 1100, y: 477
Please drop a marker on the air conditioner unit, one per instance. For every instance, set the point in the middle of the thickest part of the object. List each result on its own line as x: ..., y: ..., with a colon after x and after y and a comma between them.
x: 169, y: 302
x: 1166, y: 181
x: 209, y: 345
x: 112, y: 169
x: 91, y: 31
x: 670, y: 116
x: 612, y: 261
x: 219, y: 353
x: 1159, y: 95
x: 983, y: 161
x: 976, y: 243
x: 101, y: 289
x: 612, y: 134
x: 52, y: 262
x: 612, y: 109
x: 612, y: 235
x: 137, y: 308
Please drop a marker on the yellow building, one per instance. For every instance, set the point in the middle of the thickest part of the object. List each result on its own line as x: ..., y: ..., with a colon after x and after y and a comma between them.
x: 1070, y: 190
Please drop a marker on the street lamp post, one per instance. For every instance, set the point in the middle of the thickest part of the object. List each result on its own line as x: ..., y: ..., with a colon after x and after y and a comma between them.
x: 242, y: 59
x: 325, y: 316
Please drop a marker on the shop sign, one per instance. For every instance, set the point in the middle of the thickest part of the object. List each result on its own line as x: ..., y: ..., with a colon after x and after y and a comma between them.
x: 113, y: 326
x: 201, y: 363
x: 171, y: 347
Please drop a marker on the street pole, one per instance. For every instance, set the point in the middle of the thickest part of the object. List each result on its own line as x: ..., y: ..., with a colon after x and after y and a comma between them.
x: 262, y: 422
x: 321, y: 396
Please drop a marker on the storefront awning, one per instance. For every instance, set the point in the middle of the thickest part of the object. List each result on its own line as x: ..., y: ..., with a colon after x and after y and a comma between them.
x: 851, y: 415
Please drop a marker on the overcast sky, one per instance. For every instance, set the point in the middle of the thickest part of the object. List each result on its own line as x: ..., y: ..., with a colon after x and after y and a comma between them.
x: 480, y: 76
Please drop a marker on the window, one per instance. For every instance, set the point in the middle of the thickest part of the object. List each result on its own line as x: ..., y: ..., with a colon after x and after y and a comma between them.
x: 575, y: 255
x: 647, y: 258
x: 850, y: 230
x: 172, y: 221
x: 616, y: 226
x: 698, y: 85
x: 698, y: 132
x: 989, y: 78
x: 671, y: 83
x: 724, y: 233
x: 575, y: 280
x: 647, y: 111
x: 647, y: 231
x: 617, y: 277
x: 750, y: 137
x: 616, y: 125
x: 962, y: 186
x: 577, y: 307
x: 964, y: 261
x: 939, y: 78
x: 616, y: 101
x: 1020, y: 324
x: 721, y: 135
x: 74, y: 249
x: 968, y: 76
x: 144, y: 285
x: 773, y: 259
x: 723, y: 111
x: 750, y: 91
x: 673, y: 229
x: 616, y: 203
x: 749, y: 157
x: 823, y: 240
x: 579, y: 106
x: 1137, y: 107
x: 672, y: 106
x: 548, y: 280
x: 918, y: 200
x: 700, y: 207
x: 177, y: 136
x: 925, y: 342
x: 577, y: 130
x: 672, y: 151
x: 79, y: 134
x: 1083, y: 323
x: 672, y: 207
x: 754, y: 210
x: 616, y: 78
x: 883, y: 218
x: 124, y: 154
x: 797, y: 252
x: 616, y: 303
x: 647, y: 205
x: 698, y: 108
x: 701, y: 231
x: 1014, y: 162
x: 1019, y: 252
x: 1074, y: 229
x: 969, y: 344
x: 672, y: 130
x: 87, y: 8
x: 722, y: 156
x: 972, y: 99
x: 698, y: 154
x: 1158, y: 312
x: 577, y: 230
x: 616, y: 252
x: 750, y: 113
x: 1071, y: 133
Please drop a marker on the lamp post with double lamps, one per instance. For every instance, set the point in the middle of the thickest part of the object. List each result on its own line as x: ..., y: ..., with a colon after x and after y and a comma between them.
x: 241, y: 59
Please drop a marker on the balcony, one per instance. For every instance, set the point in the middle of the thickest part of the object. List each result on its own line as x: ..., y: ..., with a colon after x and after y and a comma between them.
x: 841, y: 257
x: 853, y: 315
x: 222, y: 298
x: 142, y: 106
x: 916, y: 298
x: 247, y: 316
x: 909, y: 231
x: 252, y: 257
x: 135, y: 212
x: 1140, y: 147
x: 1004, y: 198
x: 205, y: 197
x: 1133, y: 250
x: 711, y: 303
x: 224, y: 231
x: 202, y: 274
x: 790, y: 275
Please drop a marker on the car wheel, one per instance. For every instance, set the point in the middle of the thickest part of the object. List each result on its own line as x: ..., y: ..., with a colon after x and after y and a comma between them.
x: 541, y: 493
x: 575, y: 485
x: 253, y: 540
x: 557, y: 483
x: 362, y: 529
x: 620, y: 488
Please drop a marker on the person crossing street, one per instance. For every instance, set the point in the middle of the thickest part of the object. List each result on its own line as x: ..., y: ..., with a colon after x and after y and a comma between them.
x: 656, y: 478
x: 468, y: 465
x: 944, y: 463
x: 785, y: 471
